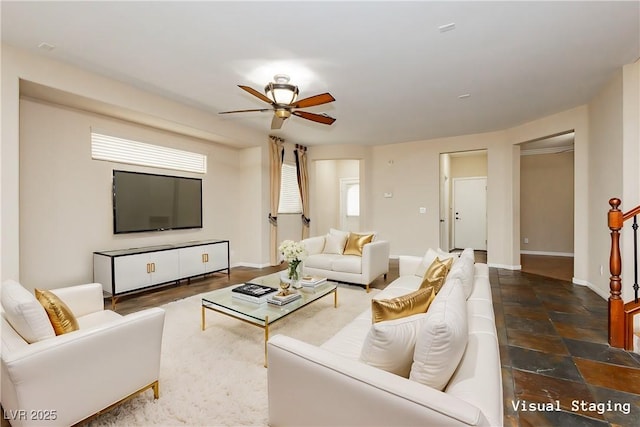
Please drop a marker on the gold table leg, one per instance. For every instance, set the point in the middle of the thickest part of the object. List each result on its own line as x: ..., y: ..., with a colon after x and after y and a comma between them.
x: 202, y: 321
x: 266, y: 338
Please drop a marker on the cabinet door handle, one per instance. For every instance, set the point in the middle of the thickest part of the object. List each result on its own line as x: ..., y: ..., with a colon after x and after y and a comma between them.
x: 206, y: 257
x: 153, y: 267
x: 148, y: 268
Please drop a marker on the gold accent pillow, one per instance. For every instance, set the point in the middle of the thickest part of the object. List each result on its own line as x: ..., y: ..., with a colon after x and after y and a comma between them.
x: 395, y: 308
x: 437, y: 273
x: 356, y: 242
x: 60, y: 315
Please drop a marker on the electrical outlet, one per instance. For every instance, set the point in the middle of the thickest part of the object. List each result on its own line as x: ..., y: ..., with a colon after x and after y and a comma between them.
x: 422, y: 210
x: 526, y: 240
x: 602, y: 270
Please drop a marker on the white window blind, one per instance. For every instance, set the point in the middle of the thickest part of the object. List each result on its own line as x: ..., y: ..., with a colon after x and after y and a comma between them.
x: 113, y: 149
x: 290, y: 201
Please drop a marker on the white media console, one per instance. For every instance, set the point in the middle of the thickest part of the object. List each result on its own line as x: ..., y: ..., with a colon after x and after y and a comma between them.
x: 126, y: 271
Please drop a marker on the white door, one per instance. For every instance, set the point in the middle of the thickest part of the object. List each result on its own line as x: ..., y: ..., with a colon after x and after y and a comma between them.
x: 470, y: 213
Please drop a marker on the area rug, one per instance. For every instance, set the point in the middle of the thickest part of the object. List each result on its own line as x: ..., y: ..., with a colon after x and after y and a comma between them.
x: 216, y: 377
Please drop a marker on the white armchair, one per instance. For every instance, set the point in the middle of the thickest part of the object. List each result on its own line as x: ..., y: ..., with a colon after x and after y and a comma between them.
x: 64, y: 379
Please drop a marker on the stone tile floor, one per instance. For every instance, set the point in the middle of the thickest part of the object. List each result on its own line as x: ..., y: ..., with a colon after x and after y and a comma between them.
x: 557, y: 367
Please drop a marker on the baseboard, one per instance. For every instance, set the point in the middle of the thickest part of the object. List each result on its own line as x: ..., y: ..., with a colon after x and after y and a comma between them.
x: 604, y: 295
x: 250, y: 265
x: 546, y: 253
x: 505, y: 266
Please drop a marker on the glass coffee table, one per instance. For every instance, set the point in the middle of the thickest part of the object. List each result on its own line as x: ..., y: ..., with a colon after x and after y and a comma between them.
x: 263, y: 314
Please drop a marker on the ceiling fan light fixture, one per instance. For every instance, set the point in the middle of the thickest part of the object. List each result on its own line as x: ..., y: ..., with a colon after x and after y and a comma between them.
x: 282, y: 113
x: 280, y: 91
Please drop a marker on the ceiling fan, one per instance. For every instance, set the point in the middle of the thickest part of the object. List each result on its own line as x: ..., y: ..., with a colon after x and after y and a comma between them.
x: 282, y: 96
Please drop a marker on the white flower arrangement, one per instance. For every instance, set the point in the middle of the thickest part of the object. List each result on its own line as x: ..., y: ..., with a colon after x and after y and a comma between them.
x: 294, y: 253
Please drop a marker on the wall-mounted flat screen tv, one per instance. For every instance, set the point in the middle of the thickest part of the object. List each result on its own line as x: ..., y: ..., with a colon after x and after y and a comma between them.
x: 148, y: 202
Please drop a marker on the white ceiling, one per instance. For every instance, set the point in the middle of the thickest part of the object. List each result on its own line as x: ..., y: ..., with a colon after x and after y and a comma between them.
x: 394, y: 75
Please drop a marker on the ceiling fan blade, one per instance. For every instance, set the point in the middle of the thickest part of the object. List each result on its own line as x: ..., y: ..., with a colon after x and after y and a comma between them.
x: 323, y: 98
x: 255, y: 93
x: 262, y: 110
x: 320, y: 118
x: 277, y: 122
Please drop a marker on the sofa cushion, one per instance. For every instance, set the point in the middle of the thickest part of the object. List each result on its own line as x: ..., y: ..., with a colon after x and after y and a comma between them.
x: 321, y: 261
x: 437, y: 273
x: 441, y: 339
x: 355, y: 243
x: 428, y: 258
x: 347, y: 264
x: 394, y: 308
x: 334, y: 242
x: 60, y: 315
x: 347, y: 342
x: 463, y: 270
x: 389, y: 345
x: 24, y: 313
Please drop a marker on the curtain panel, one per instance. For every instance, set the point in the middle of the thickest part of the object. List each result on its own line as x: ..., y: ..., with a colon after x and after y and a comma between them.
x: 276, y: 152
x: 303, y: 185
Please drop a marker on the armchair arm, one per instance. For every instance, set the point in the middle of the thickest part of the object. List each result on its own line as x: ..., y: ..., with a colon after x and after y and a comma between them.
x: 82, y: 299
x: 375, y: 260
x: 82, y: 372
x: 373, y: 397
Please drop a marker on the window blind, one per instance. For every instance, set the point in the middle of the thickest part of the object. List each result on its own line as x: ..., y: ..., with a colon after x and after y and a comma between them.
x: 114, y: 149
x: 290, y: 201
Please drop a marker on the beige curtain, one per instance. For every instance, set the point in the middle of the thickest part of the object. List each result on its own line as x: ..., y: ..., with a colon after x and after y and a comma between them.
x: 303, y: 185
x: 276, y: 151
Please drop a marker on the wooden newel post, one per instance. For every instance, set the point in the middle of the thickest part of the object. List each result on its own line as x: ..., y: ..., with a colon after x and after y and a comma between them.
x: 616, y: 305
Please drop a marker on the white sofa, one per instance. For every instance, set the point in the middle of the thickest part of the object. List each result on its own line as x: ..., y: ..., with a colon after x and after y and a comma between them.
x: 361, y: 270
x: 330, y: 385
x: 64, y: 379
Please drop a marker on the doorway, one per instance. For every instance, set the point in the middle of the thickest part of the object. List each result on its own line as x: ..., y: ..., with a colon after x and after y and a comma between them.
x: 336, y: 195
x: 467, y: 171
x: 547, y: 229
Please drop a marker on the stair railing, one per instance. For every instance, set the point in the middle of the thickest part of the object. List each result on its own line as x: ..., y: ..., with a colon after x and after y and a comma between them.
x: 621, y: 314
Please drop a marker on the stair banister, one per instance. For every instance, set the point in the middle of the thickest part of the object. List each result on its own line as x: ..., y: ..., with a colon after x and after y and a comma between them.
x: 616, y: 305
x: 621, y: 314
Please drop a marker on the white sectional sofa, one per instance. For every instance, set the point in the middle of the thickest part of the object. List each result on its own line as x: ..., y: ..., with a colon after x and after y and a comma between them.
x: 335, y: 265
x: 332, y: 385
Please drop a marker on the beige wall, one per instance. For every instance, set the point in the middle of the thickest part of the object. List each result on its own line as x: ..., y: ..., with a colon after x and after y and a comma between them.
x: 66, y: 197
x: 469, y: 165
x: 546, y: 203
x: 152, y: 109
x: 412, y: 175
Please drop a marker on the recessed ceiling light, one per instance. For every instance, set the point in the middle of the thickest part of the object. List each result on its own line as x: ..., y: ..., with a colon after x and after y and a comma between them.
x: 464, y: 95
x: 447, y: 27
x: 46, y: 46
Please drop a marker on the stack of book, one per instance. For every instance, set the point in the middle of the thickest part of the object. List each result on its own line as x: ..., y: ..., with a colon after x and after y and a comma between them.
x: 253, y: 292
x: 277, y: 299
x: 312, y: 282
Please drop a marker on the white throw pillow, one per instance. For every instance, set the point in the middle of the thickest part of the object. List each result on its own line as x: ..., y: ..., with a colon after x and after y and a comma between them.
x: 390, y: 344
x: 431, y: 255
x: 442, y: 339
x: 464, y: 271
x: 335, y: 241
x: 24, y: 313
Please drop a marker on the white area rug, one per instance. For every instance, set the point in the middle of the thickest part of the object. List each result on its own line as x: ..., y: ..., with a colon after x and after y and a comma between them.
x: 217, y: 377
